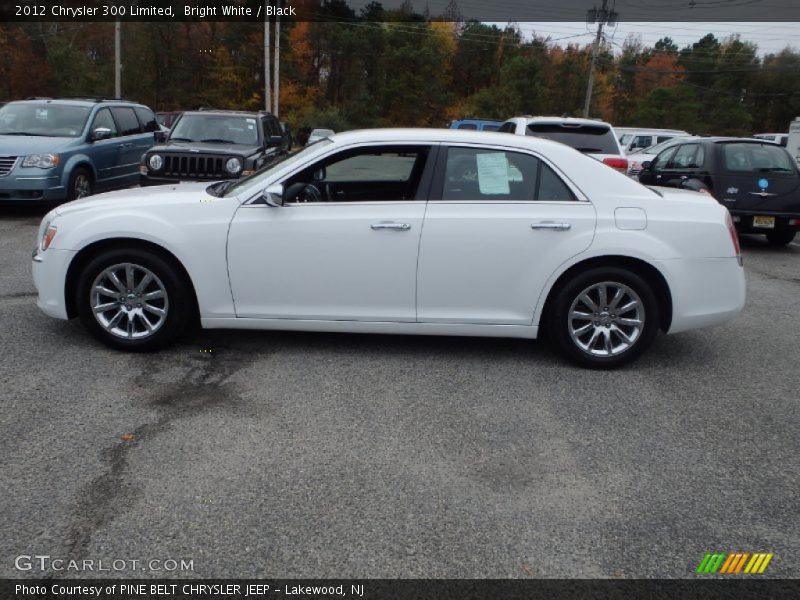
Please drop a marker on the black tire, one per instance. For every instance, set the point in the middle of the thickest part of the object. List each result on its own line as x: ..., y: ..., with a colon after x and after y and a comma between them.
x: 80, y: 184
x: 558, y: 324
x: 177, y: 301
x: 781, y: 238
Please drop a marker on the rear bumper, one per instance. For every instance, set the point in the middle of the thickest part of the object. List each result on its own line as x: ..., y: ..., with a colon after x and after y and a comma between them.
x: 743, y: 220
x: 705, y: 291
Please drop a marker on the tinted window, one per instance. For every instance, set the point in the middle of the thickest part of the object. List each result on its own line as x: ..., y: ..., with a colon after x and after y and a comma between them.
x: 488, y: 174
x: 126, y: 119
x: 468, y: 126
x: 31, y: 118
x: 383, y: 166
x: 508, y: 127
x: 643, y: 141
x: 758, y: 158
x: 662, y: 159
x: 663, y: 138
x: 591, y: 139
x: 103, y: 119
x: 491, y: 127
x: 146, y: 118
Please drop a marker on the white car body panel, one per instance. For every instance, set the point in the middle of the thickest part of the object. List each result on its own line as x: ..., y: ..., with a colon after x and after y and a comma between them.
x: 462, y: 268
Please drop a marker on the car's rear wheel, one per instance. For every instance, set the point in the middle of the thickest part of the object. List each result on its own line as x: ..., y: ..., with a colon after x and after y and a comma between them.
x: 603, y: 318
x: 132, y: 299
x: 781, y: 238
x: 80, y: 184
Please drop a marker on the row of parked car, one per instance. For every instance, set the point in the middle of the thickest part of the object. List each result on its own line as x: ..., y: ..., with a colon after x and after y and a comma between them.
x: 756, y: 178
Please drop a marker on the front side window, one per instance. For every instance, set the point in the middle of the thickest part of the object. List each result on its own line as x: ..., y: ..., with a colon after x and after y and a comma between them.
x: 383, y: 173
x: 687, y: 156
x: 42, y: 119
x: 489, y: 174
x: 468, y: 126
x: 103, y: 119
x: 756, y: 158
x: 147, y: 119
x: 662, y: 160
x: 509, y: 127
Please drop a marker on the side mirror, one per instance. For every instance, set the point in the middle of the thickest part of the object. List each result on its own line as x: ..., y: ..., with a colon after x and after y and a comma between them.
x: 274, y: 140
x: 646, y: 165
x: 160, y: 136
x: 101, y: 133
x: 273, y: 195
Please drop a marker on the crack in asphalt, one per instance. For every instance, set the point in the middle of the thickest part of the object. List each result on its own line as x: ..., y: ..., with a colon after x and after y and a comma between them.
x: 795, y: 280
x: 205, y: 386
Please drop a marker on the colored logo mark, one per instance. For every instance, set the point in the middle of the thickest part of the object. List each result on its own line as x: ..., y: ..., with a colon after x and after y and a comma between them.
x: 735, y: 563
x: 763, y: 184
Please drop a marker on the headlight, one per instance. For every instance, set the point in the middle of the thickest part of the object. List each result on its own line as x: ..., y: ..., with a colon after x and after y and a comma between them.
x: 43, y: 161
x: 233, y: 166
x: 155, y: 162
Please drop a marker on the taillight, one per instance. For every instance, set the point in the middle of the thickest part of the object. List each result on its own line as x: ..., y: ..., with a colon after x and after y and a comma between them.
x: 734, y: 235
x: 794, y: 222
x: 620, y: 164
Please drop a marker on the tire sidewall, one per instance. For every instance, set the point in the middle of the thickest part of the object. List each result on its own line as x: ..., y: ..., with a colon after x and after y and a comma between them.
x: 177, y: 314
x: 71, y: 195
x: 557, y: 326
x: 781, y: 238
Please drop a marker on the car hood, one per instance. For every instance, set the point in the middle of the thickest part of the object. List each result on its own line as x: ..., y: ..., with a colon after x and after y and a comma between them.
x: 182, y: 193
x: 204, y: 148
x: 17, y: 145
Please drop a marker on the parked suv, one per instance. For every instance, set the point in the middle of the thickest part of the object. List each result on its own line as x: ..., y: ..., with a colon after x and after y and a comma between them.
x: 758, y: 181
x: 208, y: 145
x: 475, y: 124
x: 65, y: 148
x: 594, y: 138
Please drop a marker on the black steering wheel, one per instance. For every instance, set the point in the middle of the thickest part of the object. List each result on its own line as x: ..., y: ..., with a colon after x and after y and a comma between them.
x: 310, y: 193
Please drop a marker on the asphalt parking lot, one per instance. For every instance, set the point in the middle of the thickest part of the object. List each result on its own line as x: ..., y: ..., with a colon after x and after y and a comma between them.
x: 318, y: 455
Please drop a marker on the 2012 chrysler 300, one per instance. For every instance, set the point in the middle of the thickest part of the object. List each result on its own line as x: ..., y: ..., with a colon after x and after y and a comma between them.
x: 400, y: 231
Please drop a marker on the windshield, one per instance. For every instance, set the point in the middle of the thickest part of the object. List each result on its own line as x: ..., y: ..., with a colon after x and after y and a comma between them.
x: 591, y: 139
x: 655, y: 149
x: 256, y: 178
x: 52, y: 120
x: 219, y: 129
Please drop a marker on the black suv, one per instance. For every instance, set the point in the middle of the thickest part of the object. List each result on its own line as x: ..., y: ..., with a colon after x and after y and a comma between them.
x: 757, y: 181
x: 209, y: 145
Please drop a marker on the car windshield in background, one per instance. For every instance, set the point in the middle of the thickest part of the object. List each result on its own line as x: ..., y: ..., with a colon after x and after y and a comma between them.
x: 264, y: 172
x: 52, y: 120
x: 757, y: 158
x: 216, y: 129
x: 591, y: 139
x: 655, y: 149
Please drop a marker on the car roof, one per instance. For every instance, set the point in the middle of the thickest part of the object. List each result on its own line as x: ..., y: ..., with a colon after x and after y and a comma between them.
x: 572, y: 120
x: 87, y: 102
x: 224, y: 113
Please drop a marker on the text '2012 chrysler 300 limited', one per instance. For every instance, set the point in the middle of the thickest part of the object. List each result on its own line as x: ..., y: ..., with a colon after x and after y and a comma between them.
x: 407, y: 231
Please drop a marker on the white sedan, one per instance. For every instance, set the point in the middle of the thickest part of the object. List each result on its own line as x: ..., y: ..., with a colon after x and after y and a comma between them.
x: 412, y: 231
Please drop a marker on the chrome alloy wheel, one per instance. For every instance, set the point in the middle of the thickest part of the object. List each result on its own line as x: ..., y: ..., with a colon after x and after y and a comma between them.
x: 606, y: 319
x: 129, y: 301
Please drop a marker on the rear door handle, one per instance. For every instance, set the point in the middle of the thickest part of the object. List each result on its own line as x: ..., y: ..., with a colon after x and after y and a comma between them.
x: 393, y: 226
x: 551, y: 225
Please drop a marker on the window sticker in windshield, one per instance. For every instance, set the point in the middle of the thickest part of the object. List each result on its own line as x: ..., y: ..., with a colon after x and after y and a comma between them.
x: 41, y: 113
x: 493, y: 173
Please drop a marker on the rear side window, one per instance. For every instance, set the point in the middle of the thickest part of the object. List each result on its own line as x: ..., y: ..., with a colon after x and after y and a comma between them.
x: 489, y: 174
x: 587, y: 138
x: 756, y: 158
x: 126, y: 118
x: 468, y: 126
x: 147, y: 118
x: 489, y: 127
x: 508, y: 128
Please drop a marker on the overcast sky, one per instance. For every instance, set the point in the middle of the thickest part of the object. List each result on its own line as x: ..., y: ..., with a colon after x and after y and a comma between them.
x: 770, y: 37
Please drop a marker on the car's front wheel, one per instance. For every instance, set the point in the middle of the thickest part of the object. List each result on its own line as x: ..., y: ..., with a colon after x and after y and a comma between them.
x: 781, y: 238
x: 132, y: 299
x: 603, y: 318
x: 80, y: 184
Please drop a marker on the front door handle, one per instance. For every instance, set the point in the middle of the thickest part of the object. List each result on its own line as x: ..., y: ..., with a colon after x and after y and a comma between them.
x: 551, y: 225
x: 393, y: 226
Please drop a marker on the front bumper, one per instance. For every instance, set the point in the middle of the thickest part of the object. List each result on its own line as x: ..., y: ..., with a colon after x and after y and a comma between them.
x: 30, y: 189
x: 49, y: 277
x: 705, y: 291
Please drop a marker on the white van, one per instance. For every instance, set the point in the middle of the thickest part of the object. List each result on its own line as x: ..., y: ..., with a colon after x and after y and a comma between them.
x: 778, y: 138
x: 793, y: 143
x: 632, y: 138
